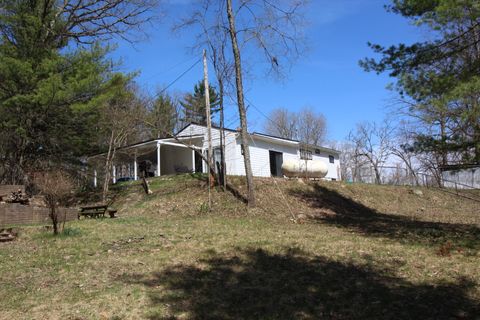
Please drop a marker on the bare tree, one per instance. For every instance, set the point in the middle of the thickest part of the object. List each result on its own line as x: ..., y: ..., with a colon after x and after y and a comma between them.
x: 401, y: 149
x: 122, y: 118
x: 87, y: 20
x: 372, y: 142
x: 241, y: 105
x: 312, y: 127
x: 347, y: 159
x: 272, y: 27
x: 306, y: 125
x: 56, y: 187
x: 84, y: 21
x: 283, y: 123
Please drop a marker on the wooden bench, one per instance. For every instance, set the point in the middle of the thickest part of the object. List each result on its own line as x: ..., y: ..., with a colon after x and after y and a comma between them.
x: 96, y: 211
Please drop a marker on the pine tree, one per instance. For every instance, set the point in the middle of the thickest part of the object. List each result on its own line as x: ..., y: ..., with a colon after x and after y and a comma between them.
x: 439, y: 79
x: 162, y: 118
x: 194, y: 104
x: 47, y: 90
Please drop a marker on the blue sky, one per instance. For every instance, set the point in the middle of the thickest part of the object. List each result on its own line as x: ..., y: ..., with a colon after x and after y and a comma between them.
x: 327, y: 78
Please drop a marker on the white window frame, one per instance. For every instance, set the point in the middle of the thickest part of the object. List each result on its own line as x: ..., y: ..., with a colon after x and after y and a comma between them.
x: 306, y: 154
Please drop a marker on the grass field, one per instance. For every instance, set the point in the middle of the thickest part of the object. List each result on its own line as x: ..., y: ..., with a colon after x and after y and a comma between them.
x: 353, y: 252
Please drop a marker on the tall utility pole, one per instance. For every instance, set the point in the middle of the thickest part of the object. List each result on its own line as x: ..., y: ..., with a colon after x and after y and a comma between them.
x: 209, y: 127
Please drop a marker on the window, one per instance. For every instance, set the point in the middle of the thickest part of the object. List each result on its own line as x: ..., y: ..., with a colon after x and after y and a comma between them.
x: 305, y: 154
x: 331, y: 159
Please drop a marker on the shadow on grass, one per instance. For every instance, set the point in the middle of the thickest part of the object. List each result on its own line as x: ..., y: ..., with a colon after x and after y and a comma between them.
x: 339, y: 210
x: 255, y: 284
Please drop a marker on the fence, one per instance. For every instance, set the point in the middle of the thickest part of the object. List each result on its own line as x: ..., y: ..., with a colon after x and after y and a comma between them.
x: 403, y: 177
x: 15, y: 214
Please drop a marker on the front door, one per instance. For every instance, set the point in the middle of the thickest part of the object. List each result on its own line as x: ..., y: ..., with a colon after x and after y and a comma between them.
x: 198, y: 163
x: 276, y: 161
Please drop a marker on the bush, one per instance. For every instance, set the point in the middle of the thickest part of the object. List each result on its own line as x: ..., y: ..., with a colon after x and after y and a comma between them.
x: 56, y: 186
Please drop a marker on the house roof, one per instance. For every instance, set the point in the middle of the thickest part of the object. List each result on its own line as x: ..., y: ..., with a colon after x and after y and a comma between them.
x: 202, y: 125
x: 268, y: 136
x: 254, y: 134
x: 137, y: 144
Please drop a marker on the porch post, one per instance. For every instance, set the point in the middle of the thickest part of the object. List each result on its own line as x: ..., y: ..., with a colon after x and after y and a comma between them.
x: 95, y: 178
x: 193, y: 160
x: 135, y: 175
x: 114, y: 174
x: 158, y: 159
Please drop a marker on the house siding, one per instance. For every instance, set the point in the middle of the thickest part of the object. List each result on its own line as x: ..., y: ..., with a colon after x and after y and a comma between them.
x: 260, y: 155
x: 333, y: 168
x: 259, y: 152
x: 230, y: 144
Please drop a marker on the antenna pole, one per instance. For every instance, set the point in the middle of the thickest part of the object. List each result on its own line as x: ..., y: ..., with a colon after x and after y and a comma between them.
x: 209, y: 127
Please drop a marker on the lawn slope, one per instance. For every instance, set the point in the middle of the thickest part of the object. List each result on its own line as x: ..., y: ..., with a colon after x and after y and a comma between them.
x: 308, y: 251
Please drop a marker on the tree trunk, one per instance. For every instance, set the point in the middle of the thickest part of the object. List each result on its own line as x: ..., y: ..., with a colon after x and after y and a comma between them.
x: 106, y: 179
x: 476, y: 131
x: 378, y: 178
x: 443, y: 135
x: 54, y: 218
x: 241, y: 106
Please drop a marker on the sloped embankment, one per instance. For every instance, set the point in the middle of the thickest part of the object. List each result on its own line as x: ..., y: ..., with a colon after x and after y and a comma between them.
x: 187, y: 195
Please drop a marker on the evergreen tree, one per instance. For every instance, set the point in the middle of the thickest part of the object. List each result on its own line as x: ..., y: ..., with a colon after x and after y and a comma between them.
x: 47, y: 90
x: 194, y: 104
x: 439, y: 79
x: 162, y: 118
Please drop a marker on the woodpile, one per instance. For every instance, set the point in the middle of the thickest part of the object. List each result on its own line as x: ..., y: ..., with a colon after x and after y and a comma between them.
x: 17, y: 197
x: 8, y: 234
x: 13, y: 194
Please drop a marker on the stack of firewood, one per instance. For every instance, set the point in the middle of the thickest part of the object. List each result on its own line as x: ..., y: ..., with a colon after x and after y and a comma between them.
x: 17, y: 197
x: 7, y: 235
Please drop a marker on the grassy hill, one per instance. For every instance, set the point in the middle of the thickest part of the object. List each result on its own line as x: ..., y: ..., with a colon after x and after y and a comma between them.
x: 308, y: 251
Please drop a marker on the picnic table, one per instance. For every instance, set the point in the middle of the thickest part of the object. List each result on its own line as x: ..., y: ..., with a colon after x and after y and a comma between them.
x: 96, y: 211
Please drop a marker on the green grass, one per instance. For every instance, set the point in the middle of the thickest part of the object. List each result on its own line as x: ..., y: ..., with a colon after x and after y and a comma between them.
x: 167, y: 257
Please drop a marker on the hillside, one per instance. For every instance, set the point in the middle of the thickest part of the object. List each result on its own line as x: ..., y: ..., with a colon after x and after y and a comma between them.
x: 352, y: 251
x: 335, y: 203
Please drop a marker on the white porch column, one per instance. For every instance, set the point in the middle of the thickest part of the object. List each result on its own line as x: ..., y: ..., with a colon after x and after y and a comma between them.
x: 204, y: 164
x: 114, y: 174
x: 158, y: 159
x: 95, y: 178
x: 135, y: 174
x: 193, y: 161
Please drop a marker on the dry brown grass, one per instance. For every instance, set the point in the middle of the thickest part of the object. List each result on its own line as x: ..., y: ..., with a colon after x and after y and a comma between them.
x: 358, y: 252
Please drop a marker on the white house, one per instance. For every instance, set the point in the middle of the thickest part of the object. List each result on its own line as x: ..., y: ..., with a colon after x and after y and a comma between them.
x: 461, y: 176
x: 175, y: 155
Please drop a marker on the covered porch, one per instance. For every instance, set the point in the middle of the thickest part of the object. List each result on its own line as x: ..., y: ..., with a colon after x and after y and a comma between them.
x: 156, y: 157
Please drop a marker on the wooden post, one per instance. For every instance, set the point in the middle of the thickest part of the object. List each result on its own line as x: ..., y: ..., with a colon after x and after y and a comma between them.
x: 209, y: 124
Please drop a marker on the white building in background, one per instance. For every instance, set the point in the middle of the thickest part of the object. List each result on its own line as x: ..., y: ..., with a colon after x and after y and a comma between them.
x: 461, y: 176
x: 175, y: 155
